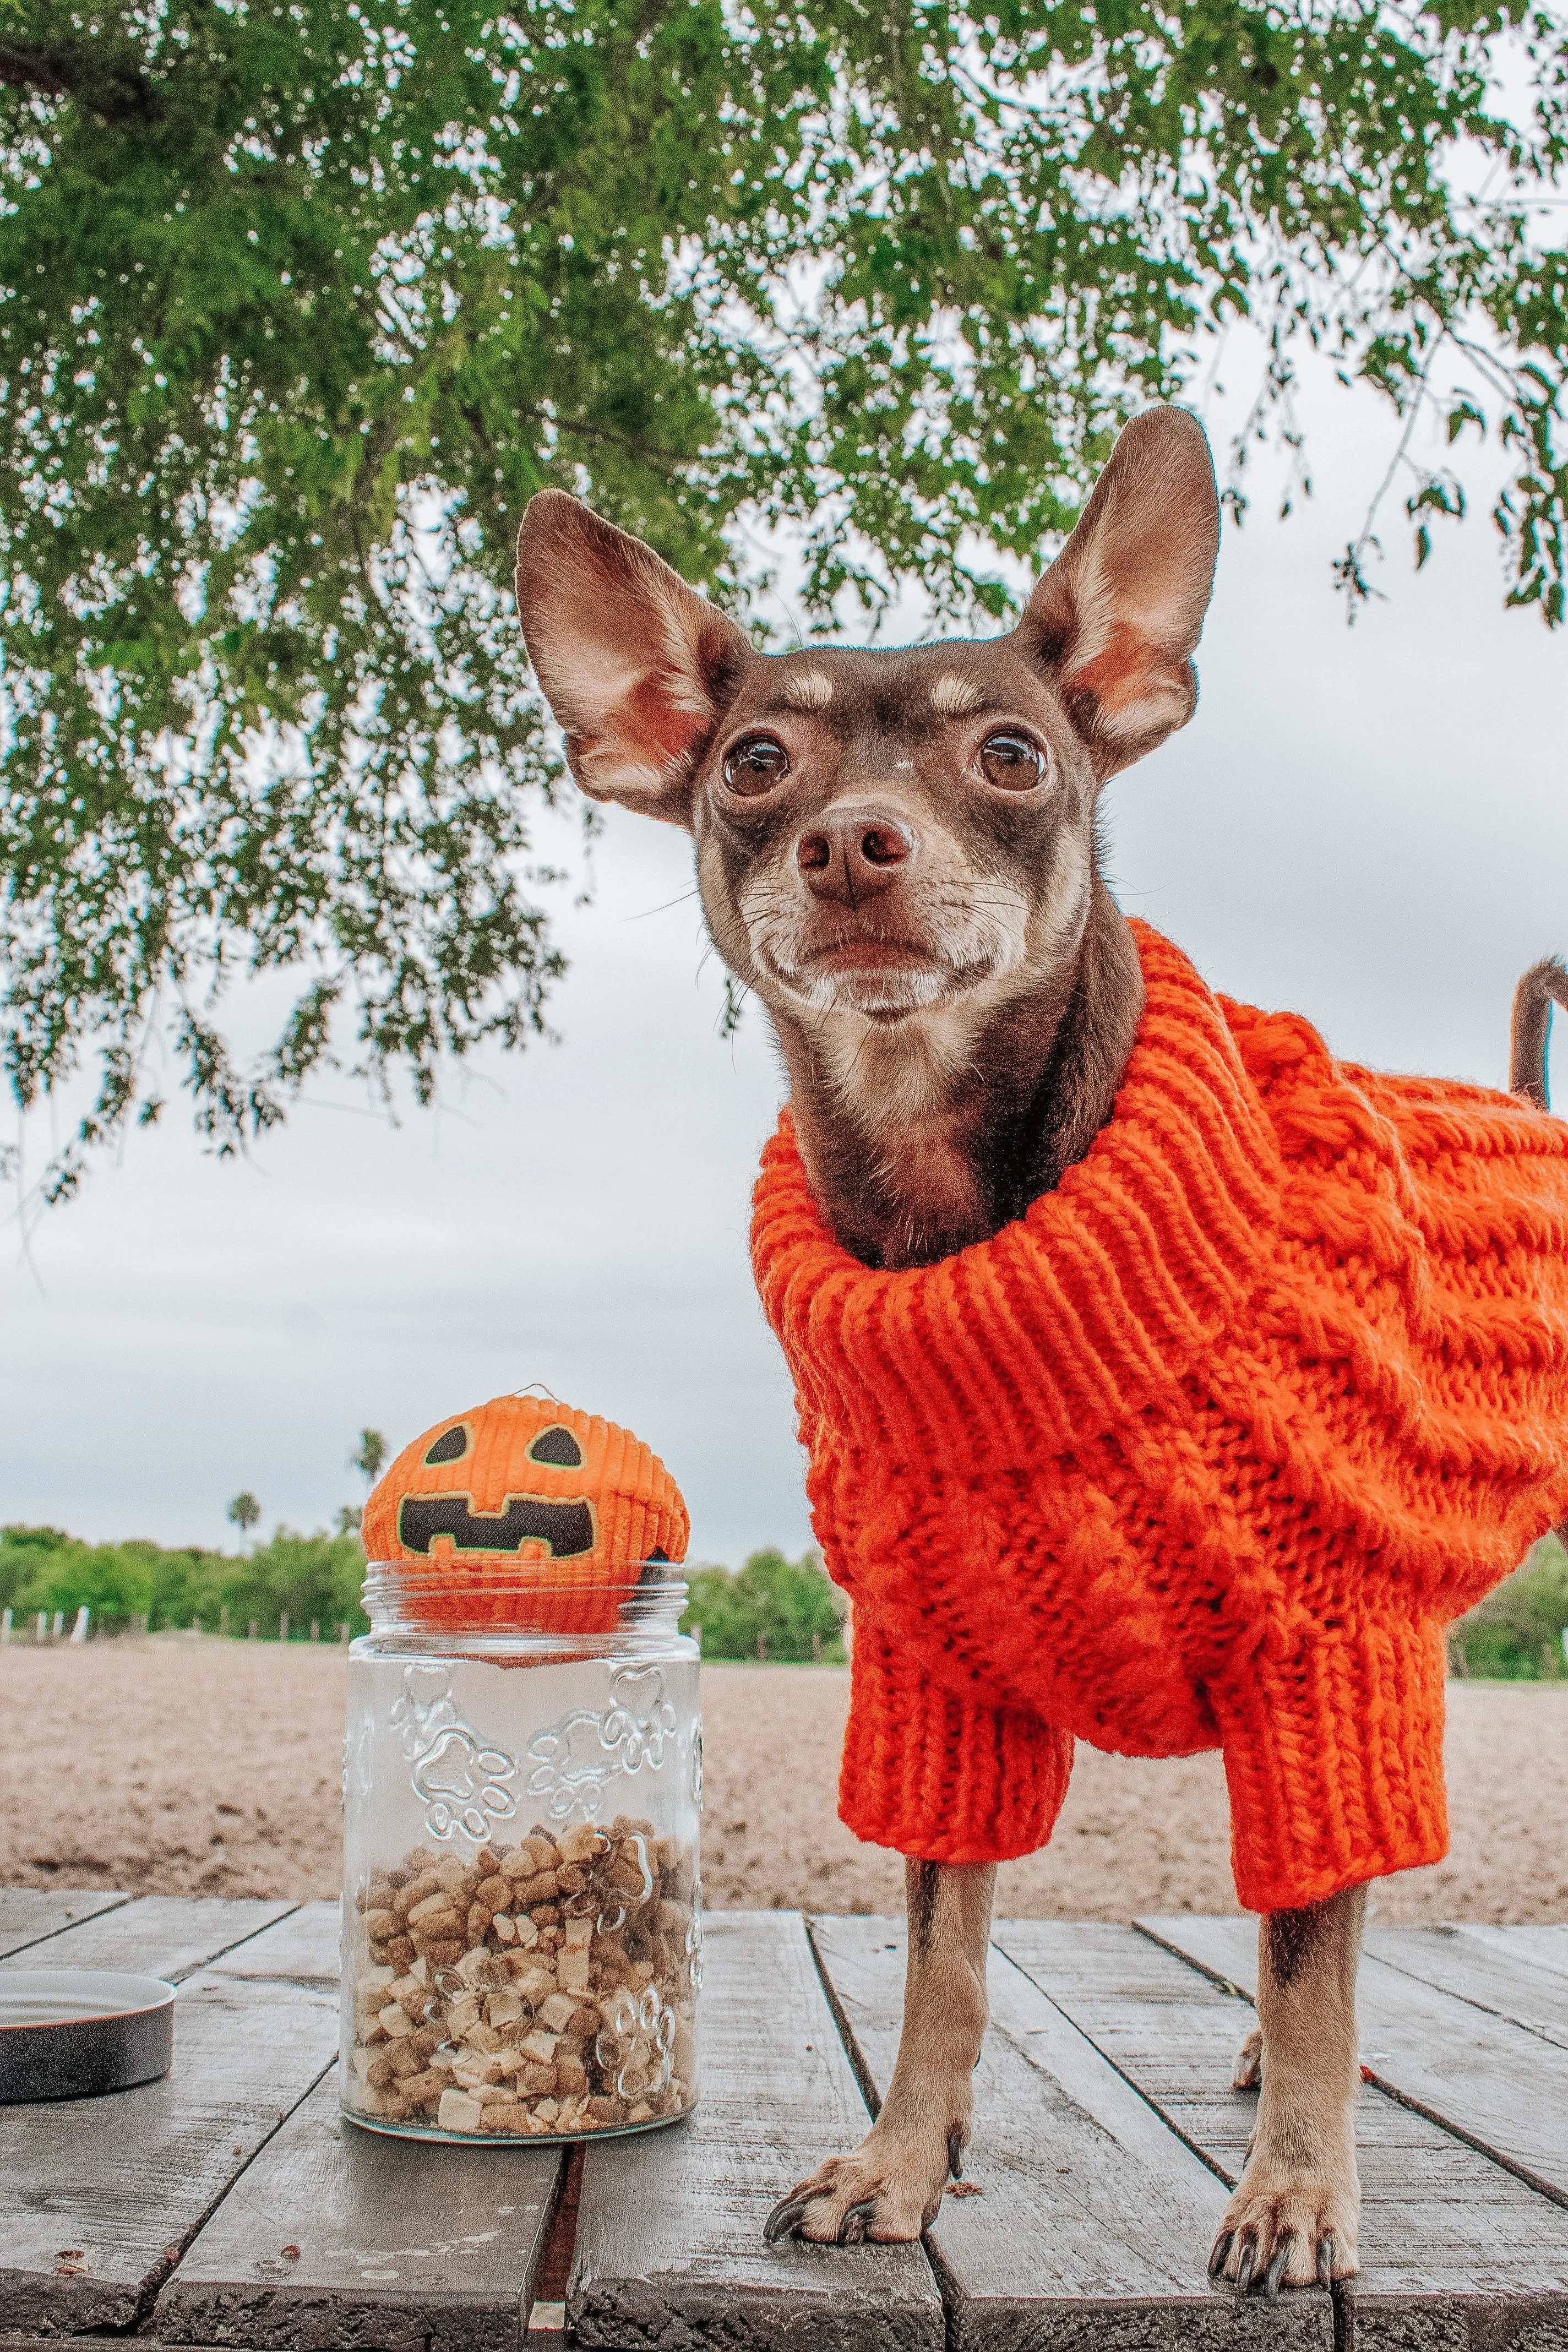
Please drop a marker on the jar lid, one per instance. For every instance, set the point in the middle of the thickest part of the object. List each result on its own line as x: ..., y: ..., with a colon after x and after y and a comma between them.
x: 439, y: 1596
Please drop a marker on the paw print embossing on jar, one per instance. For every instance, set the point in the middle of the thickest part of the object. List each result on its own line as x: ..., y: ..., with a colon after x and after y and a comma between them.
x: 459, y: 1776
x: 462, y: 1783
x: 575, y: 1763
x: 637, y: 2046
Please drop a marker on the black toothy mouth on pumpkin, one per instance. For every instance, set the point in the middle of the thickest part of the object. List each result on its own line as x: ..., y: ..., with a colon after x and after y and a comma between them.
x: 566, y: 1529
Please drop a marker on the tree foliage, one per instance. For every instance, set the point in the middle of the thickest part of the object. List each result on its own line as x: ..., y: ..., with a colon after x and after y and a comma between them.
x: 303, y: 1577
x: 1517, y: 1631
x: 787, y: 1606
x: 302, y: 299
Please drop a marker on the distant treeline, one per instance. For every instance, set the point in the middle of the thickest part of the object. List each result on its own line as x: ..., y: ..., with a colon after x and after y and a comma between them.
x: 302, y: 1576
x: 772, y: 1608
x: 1517, y: 1631
x: 783, y: 1603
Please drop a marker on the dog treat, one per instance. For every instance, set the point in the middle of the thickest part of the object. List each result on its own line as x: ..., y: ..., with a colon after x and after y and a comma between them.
x: 545, y: 1990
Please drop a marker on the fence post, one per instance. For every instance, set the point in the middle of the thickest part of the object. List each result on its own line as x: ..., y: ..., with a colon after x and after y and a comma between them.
x: 79, y: 1630
x: 817, y: 1649
x: 251, y: 1635
x: 41, y: 1626
x: 5, y: 1628
x: 60, y: 1623
x: 283, y: 1626
x: 223, y: 1618
x: 343, y: 1632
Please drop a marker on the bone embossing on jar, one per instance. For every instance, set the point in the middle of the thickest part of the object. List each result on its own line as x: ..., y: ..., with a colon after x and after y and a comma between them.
x: 547, y: 1988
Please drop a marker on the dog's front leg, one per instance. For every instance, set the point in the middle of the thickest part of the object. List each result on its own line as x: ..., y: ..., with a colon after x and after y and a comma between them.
x: 1294, y: 2216
x: 891, y: 2187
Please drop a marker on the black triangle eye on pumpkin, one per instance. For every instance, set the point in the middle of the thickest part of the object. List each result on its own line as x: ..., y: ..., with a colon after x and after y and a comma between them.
x: 449, y: 1447
x: 557, y: 1446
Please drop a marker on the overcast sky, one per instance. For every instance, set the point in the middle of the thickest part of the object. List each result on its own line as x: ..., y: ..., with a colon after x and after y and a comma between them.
x: 1368, y: 826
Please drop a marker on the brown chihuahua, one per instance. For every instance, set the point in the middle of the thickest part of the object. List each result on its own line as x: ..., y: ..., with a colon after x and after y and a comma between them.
x: 896, y: 851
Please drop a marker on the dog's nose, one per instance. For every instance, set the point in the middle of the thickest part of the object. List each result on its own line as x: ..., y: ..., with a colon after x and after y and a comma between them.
x: 853, y: 854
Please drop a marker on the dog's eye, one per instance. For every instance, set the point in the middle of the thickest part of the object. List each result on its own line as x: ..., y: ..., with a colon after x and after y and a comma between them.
x: 1011, y: 760
x: 756, y: 764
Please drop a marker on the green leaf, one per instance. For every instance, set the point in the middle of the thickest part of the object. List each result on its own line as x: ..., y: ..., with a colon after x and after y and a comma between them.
x: 300, y: 305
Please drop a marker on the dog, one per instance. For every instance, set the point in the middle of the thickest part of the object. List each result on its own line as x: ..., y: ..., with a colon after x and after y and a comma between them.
x: 897, y: 853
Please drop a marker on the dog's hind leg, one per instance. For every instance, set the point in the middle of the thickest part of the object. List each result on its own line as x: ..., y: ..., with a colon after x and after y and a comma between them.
x: 1295, y: 2210
x: 1246, y: 2072
x: 891, y: 2187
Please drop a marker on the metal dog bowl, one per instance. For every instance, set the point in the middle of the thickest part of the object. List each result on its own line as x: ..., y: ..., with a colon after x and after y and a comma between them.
x: 71, y: 2034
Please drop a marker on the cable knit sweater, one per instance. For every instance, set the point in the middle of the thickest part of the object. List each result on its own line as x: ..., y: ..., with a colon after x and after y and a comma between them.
x: 1203, y: 1450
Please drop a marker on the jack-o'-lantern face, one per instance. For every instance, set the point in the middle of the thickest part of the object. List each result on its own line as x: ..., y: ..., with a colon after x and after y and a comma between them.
x: 523, y: 1491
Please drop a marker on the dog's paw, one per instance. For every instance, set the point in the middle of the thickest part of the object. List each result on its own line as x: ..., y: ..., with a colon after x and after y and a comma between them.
x: 1288, y: 2227
x: 1247, y: 2071
x: 888, y: 2191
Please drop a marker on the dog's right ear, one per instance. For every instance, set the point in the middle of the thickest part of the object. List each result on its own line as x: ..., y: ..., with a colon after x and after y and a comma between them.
x: 636, y: 667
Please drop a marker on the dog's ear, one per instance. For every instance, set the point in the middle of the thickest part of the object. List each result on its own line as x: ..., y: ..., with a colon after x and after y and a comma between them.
x: 1117, y: 616
x: 635, y: 664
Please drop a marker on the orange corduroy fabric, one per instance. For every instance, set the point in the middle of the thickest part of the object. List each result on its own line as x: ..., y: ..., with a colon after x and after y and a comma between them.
x: 526, y: 1512
x: 1203, y: 1450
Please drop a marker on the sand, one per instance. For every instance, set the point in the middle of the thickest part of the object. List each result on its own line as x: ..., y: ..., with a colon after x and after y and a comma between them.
x: 188, y: 1766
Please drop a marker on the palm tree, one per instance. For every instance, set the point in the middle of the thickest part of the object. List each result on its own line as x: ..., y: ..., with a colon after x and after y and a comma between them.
x: 245, y: 1510
x: 371, y: 1458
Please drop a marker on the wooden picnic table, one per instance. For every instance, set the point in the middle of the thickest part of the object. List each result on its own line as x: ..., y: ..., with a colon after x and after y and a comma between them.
x: 227, y: 2206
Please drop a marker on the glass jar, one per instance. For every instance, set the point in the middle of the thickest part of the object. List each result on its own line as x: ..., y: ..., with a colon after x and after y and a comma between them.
x: 522, y: 1780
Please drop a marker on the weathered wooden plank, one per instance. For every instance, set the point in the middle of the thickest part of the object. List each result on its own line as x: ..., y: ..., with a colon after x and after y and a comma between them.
x: 1505, y: 1982
x: 98, y: 2197
x: 170, y: 1935
x: 300, y: 1949
x: 1455, y: 2249
x: 670, y: 2231
x: 1094, y: 2221
x: 1546, y: 1943
x: 1165, y: 2026
x: 396, y: 2244
x: 29, y: 1914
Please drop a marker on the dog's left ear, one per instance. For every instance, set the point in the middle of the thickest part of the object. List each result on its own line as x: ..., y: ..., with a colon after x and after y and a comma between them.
x: 1117, y: 617
x: 636, y: 667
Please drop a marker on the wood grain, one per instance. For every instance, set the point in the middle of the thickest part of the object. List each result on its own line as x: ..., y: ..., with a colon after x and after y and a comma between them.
x: 184, y: 1934
x: 302, y: 1948
x: 123, y: 2184
x: 670, y: 2232
x: 29, y: 1914
x: 1506, y: 1982
x: 398, y: 2244
x: 1455, y: 2250
x: 1545, y: 1944
x: 1095, y: 2220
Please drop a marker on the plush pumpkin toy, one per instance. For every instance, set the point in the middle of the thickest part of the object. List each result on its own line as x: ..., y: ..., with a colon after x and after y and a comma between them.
x: 525, y: 1511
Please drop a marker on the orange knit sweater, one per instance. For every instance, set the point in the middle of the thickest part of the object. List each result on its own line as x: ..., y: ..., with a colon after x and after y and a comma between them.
x: 1203, y: 1451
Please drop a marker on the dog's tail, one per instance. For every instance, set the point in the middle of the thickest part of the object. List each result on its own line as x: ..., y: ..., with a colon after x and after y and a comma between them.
x: 1544, y: 985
